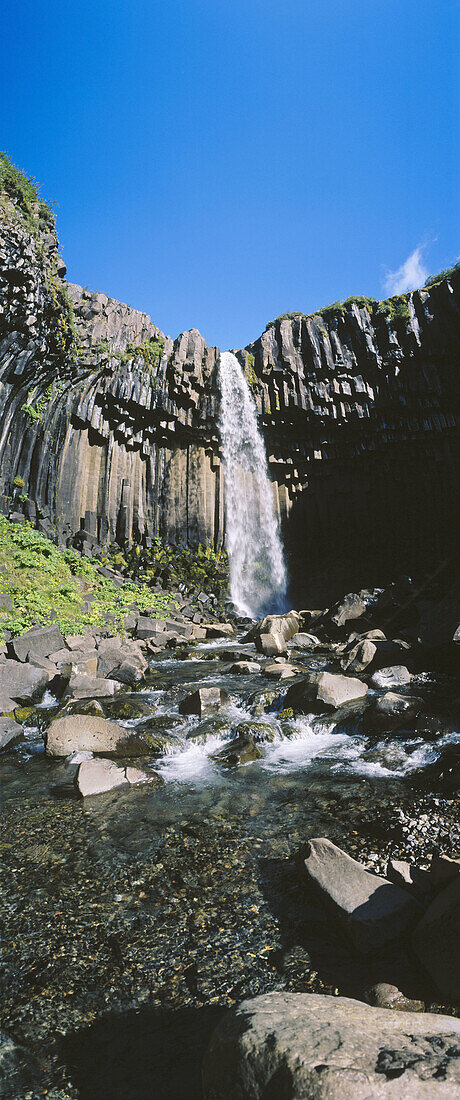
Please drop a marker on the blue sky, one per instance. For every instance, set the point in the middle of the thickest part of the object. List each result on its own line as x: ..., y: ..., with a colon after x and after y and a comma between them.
x: 218, y: 163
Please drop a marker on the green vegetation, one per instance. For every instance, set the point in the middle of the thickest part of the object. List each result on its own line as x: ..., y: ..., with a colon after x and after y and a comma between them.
x: 46, y: 582
x: 36, y: 412
x: 250, y: 372
x: 444, y: 274
x: 203, y: 568
x: 22, y: 190
x: 151, y: 351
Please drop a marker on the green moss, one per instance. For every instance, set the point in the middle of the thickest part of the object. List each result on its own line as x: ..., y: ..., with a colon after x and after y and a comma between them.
x: 433, y: 280
x: 42, y: 580
x: 35, y: 411
x: 151, y: 351
x: 203, y: 567
x: 250, y: 372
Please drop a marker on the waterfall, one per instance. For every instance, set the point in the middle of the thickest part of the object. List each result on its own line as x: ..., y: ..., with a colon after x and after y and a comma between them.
x: 257, y: 571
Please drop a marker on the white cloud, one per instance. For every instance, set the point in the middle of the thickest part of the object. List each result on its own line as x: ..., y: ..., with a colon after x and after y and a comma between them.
x: 409, y: 276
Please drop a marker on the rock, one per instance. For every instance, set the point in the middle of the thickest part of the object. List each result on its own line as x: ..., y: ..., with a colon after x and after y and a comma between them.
x: 80, y: 641
x: 65, y: 773
x: 271, y: 644
x: 443, y: 869
x: 99, y: 776
x: 351, y: 607
x: 245, y: 667
x: 22, y: 682
x: 393, y: 704
x: 40, y: 640
x: 443, y: 775
x: 84, y: 686
x: 79, y: 731
x: 324, y: 688
x: 307, y: 1046
x: 10, y: 733
x: 304, y: 641
x: 410, y: 877
x: 149, y: 628
x: 372, y: 910
x: 6, y: 603
x: 359, y: 656
x: 286, y: 625
x: 130, y: 672
x: 218, y: 630
x: 283, y: 671
x: 436, y: 940
x: 384, y: 995
x: 240, y: 750
x: 390, y: 677
x: 7, y: 705
x: 203, y: 700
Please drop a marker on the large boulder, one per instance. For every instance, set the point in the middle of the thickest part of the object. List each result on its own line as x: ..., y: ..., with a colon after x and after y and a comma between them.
x: 371, y: 909
x: 99, y: 776
x: 85, y: 686
x: 359, y: 656
x: 324, y: 689
x: 39, y: 640
x: 24, y: 683
x: 436, y: 940
x: 306, y: 1046
x: 393, y: 676
x: 100, y: 735
x: 271, y: 644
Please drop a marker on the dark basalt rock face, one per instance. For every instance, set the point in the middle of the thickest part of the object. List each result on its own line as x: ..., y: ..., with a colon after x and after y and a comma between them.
x: 113, y: 427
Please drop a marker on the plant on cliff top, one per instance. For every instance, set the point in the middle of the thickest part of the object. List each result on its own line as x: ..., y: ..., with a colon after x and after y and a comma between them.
x: 22, y: 190
x: 44, y: 581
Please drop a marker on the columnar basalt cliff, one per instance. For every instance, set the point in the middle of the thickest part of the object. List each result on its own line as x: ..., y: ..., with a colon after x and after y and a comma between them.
x: 112, y: 426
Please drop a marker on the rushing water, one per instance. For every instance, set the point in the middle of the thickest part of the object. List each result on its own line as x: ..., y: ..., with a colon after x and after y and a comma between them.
x: 257, y: 570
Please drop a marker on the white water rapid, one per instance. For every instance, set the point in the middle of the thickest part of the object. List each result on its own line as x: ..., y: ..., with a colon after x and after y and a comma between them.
x: 257, y: 570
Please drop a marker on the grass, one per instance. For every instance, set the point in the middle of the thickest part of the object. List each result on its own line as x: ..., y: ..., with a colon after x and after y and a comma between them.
x: 22, y: 190
x: 45, y: 582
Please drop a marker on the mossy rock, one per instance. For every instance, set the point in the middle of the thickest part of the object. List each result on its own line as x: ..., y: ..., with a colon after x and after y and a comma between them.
x: 256, y: 731
x: 126, y: 708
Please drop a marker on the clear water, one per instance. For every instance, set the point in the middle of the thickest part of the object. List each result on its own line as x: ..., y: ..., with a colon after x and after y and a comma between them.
x: 257, y: 570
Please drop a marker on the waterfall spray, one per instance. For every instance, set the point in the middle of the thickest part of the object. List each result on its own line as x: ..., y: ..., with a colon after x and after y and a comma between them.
x: 257, y: 571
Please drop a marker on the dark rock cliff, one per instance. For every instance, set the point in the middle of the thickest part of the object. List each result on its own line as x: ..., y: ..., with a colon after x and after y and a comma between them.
x: 112, y: 426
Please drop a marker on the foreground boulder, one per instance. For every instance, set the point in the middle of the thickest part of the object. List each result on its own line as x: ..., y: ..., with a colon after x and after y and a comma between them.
x: 285, y: 625
x: 39, y: 641
x: 371, y: 909
x: 10, y: 733
x: 305, y: 1046
x: 393, y: 676
x: 99, y: 776
x: 324, y: 688
x: 81, y: 731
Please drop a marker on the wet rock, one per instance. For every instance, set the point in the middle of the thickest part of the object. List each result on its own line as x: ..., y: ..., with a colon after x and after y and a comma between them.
x: 219, y: 630
x: 257, y: 731
x: 203, y: 700
x: 384, y: 995
x: 245, y: 668
x: 291, y: 1046
x: 82, y: 706
x: 372, y: 910
x: 283, y: 671
x: 10, y: 733
x: 271, y: 644
x: 393, y: 676
x: 324, y: 688
x: 351, y: 607
x: 99, y: 735
x: 65, y: 773
x: 393, y: 704
x: 443, y: 775
x: 99, y: 776
x: 436, y: 940
x: 40, y: 640
x: 22, y: 682
x: 240, y: 750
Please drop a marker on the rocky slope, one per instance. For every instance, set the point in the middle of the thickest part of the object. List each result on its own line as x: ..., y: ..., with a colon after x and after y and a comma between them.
x: 112, y: 426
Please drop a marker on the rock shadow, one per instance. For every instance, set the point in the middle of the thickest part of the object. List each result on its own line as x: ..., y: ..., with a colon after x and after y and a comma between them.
x: 150, y: 1054
x: 312, y: 940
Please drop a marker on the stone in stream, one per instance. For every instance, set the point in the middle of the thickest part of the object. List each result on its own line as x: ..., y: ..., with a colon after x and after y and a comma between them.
x: 384, y: 995
x: 203, y: 700
x: 295, y: 1046
x: 411, y: 878
x: 99, y: 735
x: 393, y: 704
x: 40, y: 640
x: 286, y: 625
x: 304, y: 641
x: 99, y: 776
x: 324, y: 687
x: 245, y: 667
x: 436, y: 940
x: 371, y: 909
x: 10, y: 733
x: 218, y: 630
x: 284, y: 671
x: 393, y: 676
x: 359, y: 656
x: 22, y: 682
x: 271, y: 645
x: 240, y: 750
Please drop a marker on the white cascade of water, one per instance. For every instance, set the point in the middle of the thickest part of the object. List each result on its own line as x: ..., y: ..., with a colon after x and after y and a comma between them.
x: 257, y: 571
